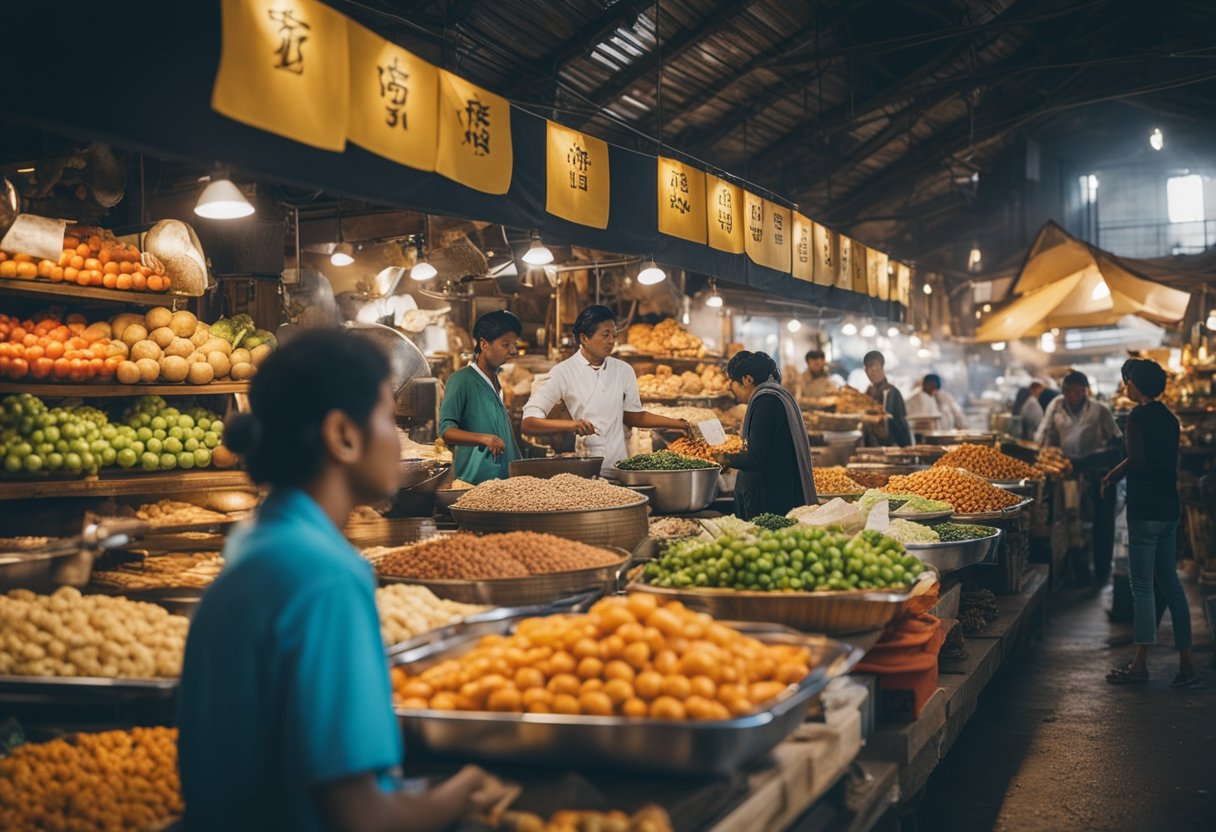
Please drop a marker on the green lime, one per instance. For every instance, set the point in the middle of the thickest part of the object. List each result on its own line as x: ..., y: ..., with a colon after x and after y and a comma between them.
x: 168, y: 462
x: 202, y: 458
x: 126, y: 458
x: 149, y: 461
x: 185, y: 459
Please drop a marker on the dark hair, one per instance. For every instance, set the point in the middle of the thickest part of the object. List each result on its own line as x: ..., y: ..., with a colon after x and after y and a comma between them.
x: 758, y: 365
x: 874, y: 357
x: 589, y: 320
x: 493, y: 325
x: 1019, y: 401
x: 318, y: 371
x: 934, y: 379
x: 1075, y: 377
x: 1147, y: 375
x: 814, y: 354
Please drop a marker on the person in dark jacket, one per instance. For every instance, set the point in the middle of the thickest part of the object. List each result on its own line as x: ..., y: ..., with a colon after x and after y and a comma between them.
x: 1153, y: 511
x: 775, y: 469
x: 892, y: 401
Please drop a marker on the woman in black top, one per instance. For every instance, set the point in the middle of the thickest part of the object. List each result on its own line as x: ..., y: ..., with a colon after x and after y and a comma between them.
x: 1151, y: 467
x: 775, y: 470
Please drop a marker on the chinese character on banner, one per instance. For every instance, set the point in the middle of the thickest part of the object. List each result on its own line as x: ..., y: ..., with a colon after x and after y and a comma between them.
x: 726, y: 212
x: 725, y: 216
x: 395, y: 92
x: 476, y: 123
x: 755, y: 224
x: 292, y: 34
x: 802, y: 266
x: 678, y: 198
x: 778, y: 229
x: 579, y: 161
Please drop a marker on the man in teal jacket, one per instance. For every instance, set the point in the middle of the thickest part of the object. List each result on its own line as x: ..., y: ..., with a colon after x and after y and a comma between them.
x: 473, y: 418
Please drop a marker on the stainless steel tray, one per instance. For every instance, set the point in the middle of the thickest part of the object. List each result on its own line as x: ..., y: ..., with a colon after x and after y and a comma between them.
x: 620, y: 526
x: 685, y: 748
x: 676, y: 492
x: 65, y: 690
x: 532, y: 590
x: 1023, y: 487
x: 950, y: 556
x: 1002, y: 514
x: 834, y: 613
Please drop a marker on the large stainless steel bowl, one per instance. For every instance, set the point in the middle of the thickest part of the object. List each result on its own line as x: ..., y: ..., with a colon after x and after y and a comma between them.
x: 950, y: 556
x: 676, y: 491
x: 549, y: 467
x: 622, y: 527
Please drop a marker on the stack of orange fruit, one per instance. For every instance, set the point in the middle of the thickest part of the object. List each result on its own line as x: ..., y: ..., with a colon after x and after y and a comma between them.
x: 49, y: 347
x: 90, y: 257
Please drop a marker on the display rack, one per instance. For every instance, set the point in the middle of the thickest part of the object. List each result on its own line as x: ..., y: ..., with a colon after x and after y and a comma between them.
x: 110, y: 391
x: 72, y: 291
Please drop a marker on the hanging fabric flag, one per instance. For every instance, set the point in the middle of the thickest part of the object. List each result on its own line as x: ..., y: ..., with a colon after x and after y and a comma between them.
x: 681, y: 191
x: 826, y: 262
x: 858, y: 268
x: 394, y: 96
x: 802, y: 266
x: 904, y: 282
x: 768, y: 232
x: 474, y: 136
x: 844, y: 258
x: 284, y: 68
x: 577, y: 181
x: 724, y: 213
x: 876, y: 273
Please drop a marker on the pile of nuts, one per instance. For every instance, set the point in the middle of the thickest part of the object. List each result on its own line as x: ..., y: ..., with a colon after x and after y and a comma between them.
x: 184, y: 571
x: 109, y: 780
x: 69, y: 634
x: 673, y: 528
x: 835, y: 480
x: 968, y: 493
x: 565, y: 492
x: 985, y: 461
x: 468, y: 557
x: 407, y: 611
x: 629, y: 656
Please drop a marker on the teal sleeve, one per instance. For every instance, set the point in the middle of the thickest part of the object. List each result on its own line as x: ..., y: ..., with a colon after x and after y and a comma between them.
x: 337, y: 718
x: 452, y: 411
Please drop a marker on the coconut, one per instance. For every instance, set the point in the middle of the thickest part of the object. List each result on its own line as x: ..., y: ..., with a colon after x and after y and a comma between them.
x: 241, y: 356
x: 158, y: 317
x: 128, y: 373
x: 180, y: 346
x: 119, y: 325
x: 146, y: 349
x: 133, y: 333
x: 212, y: 344
x: 259, y: 354
x: 149, y: 369
x: 219, y: 363
x: 163, y: 336
x: 174, y: 368
x: 242, y: 372
x: 183, y: 324
x: 200, y: 373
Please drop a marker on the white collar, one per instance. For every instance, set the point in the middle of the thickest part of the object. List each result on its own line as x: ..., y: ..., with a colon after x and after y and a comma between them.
x: 587, y: 363
x: 482, y: 373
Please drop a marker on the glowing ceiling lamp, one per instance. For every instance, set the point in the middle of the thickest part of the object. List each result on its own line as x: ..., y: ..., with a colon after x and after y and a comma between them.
x: 927, y: 289
x: 537, y: 254
x: 869, y: 331
x: 344, y: 254
x: 975, y: 259
x: 1156, y: 139
x: 222, y: 200
x: 1101, y: 291
x: 794, y: 325
x: 1047, y: 342
x: 892, y: 331
x: 714, y: 301
x: 650, y: 273
x: 848, y: 329
x: 998, y: 346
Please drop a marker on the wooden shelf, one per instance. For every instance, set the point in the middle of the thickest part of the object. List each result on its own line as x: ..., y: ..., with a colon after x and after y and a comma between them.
x: 109, y: 391
x: 168, y: 482
x: 72, y: 291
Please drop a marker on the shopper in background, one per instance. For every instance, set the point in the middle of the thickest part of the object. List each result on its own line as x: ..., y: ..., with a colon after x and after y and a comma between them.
x: 1153, y: 510
x: 1046, y: 395
x: 1026, y: 405
x: 775, y: 470
x: 815, y: 383
x: 1085, y: 430
x: 889, y: 397
x: 473, y: 419
x: 601, y: 393
x: 285, y: 709
x: 932, y: 400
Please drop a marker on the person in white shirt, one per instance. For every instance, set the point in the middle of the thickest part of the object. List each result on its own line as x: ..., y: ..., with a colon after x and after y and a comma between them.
x: 932, y: 400
x: 1027, y: 406
x: 601, y: 393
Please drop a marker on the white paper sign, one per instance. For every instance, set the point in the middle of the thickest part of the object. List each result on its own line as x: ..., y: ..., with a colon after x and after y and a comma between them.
x: 880, y: 516
x: 39, y: 237
x: 711, y: 430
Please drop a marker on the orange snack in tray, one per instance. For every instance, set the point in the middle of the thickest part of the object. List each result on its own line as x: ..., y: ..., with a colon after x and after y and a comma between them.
x: 985, y: 461
x: 968, y: 493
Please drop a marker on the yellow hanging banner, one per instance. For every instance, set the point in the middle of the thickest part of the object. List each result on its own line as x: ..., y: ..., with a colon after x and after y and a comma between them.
x: 474, y: 136
x: 876, y: 274
x: 826, y: 262
x: 858, y: 268
x: 844, y: 262
x: 577, y: 181
x: 284, y: 68
x: 724, y: 213
x: 394, y: 96
x: 802, y: 265
x: 904, y: 284
x: 768, y: 232
x: 681, y: 190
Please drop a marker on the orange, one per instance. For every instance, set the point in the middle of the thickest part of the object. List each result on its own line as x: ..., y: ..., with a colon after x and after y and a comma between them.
x: 27, y: 271
x: 44, y: 268
x: 110, y: 267
x: 94, y: 278
x: 42, y: 368
x: 109, y: 280
x: 18, y: 367
x: 62, y: 367
x: 69, y: 273
x: 8, y: 269
x: 76, y: 262
x: 95, y: 243
x: 124, y: 281
x: 57, y: 274
x: 54, y: 349
x: 92, y: 263
x: 125, y: 267
x: 139, y: 282
x: 82, y: 277
x: 23, y: 258
x: 70, y: 242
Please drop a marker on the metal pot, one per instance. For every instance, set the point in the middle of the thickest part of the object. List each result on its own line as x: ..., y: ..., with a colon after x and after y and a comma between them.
x: 676, y: 491
x: 549, y: 467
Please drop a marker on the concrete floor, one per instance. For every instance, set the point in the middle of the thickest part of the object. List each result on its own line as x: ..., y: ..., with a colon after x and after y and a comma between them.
x: 1052, y: 746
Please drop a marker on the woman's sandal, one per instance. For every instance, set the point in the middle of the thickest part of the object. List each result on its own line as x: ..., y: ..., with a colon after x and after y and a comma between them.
x: 1126, y: 676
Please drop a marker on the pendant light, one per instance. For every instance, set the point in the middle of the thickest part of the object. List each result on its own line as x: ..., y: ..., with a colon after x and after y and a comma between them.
x: 714, y: 301
x: 222, y: 200
x: 537, y: 254
x: 343, y: 253
x: 650, y: 274
x: 422, y: 270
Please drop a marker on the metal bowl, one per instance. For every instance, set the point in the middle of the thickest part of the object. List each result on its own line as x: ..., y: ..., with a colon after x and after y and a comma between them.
x: 676, y: 491
x: 444, y: 497
x: 950, y: 556
x: 549, y: 467
x: 622, y: 527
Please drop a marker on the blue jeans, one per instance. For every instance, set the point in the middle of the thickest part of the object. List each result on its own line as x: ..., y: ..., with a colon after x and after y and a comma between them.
x: 1152, y: 551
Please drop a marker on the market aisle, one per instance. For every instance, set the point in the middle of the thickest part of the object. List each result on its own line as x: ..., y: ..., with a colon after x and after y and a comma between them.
x: 1054, y: 747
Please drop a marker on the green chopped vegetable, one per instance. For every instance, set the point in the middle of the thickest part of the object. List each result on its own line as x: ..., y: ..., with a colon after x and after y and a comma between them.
x: 796, y: 558
x: 905, y: 531
x: 663, y: 461
x: 962, y: 531
x: 909, y: 502
x: 772, y: 522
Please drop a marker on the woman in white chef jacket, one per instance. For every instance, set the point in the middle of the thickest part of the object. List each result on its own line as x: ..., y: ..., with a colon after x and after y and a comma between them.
x: 601, y: 393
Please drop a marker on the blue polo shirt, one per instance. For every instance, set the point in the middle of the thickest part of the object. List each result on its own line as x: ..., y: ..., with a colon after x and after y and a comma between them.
x: 285, y: 684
